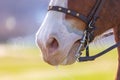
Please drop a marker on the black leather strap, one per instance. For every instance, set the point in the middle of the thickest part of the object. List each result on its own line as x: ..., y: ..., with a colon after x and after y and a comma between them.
x: 90, y: 58
x: 94, y: 14
x: 69, y: 12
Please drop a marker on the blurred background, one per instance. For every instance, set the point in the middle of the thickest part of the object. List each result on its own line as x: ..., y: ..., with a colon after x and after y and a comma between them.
x: 19, y: 20
x: 20, y: 59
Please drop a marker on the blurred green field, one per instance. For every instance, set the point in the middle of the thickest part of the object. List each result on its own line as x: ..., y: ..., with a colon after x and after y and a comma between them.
x: 25, y: 63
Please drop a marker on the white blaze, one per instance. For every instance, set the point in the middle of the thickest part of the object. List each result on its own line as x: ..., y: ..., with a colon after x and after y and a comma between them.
x: 55, y: 25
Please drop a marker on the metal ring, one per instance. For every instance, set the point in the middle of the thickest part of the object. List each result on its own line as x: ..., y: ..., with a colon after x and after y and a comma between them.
x: 90, y: 24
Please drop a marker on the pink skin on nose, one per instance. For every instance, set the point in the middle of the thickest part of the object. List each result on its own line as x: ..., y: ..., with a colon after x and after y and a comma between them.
x: 51, y: 53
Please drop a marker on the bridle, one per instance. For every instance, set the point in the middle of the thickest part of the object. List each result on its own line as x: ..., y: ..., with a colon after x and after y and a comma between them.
x: 88, y: 36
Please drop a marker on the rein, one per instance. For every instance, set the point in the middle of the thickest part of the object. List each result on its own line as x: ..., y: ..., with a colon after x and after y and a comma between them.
x: 88, y: 36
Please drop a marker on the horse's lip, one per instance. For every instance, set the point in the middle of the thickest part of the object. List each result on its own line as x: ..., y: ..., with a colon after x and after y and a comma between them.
x: 74, y: 48
x: 71, y: 57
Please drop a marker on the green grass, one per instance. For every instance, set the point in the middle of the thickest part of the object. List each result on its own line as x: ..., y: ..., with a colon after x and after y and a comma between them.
x: 25, y: 63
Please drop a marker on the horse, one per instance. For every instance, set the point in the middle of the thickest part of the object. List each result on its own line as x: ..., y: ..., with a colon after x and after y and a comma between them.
x: 64, y: 30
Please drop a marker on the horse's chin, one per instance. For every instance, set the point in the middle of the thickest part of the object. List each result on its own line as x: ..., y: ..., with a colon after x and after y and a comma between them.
x: 71, y: 58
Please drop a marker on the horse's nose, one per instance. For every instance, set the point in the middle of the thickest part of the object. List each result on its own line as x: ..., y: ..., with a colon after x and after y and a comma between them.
x: 50, y: 49
x: 48, y: 44
x: 52, y: 44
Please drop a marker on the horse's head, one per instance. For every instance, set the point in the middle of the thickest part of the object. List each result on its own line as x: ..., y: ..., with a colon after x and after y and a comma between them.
x: 60, y: 34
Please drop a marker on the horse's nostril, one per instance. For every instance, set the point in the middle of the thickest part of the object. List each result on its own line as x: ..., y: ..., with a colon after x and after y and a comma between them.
x: 52, y: 44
